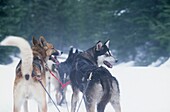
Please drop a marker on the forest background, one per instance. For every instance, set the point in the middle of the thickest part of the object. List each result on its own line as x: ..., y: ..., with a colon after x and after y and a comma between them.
x: 139, y: 30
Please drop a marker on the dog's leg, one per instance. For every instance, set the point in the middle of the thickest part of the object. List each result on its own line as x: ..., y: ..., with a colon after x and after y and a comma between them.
x: 61, y: 96
x: 26, y: 106
x: 90, y: 106
x: 74, y: 99
x: 49, y: 88
x: 63, y: 100
x: 40, y: 97
x: 115, y: 97
x: 42, y: 106
x: 41, y: 100
x: 18, y: 98
x: 101, y: 106
x: 16, y: 108
x: 89, y: 101
x: 58, y: 96
x: 18, y: 101
x: 58, y: 88
x: 116, y: 106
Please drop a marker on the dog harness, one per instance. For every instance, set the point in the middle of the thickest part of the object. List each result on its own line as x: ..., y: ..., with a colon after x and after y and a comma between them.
x: 37, y: 62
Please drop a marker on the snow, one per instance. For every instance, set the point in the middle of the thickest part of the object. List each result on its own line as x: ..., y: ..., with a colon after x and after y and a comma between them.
x: 128, y: 64
x: 159, y: 61
x: 166, y: 64
x: 143, y: 89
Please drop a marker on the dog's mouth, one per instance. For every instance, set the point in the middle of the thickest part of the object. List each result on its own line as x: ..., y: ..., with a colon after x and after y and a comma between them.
x: 109, y: 65
x: 54, y: 59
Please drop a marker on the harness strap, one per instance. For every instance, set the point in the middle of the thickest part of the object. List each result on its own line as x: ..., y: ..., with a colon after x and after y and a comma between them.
x: 37, y: 63
x: 90, y: 76
x: 62, y: 85
x: 88, y: 81
x: 49, y: 95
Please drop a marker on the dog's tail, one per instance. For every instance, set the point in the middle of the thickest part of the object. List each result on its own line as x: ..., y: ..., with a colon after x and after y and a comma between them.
x: 115, y: 98
x: 110, y: 88
x: 106, y: 85
x: 26, y: 52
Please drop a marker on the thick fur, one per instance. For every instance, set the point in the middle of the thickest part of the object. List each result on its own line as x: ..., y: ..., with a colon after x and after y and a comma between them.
x: 26, y: 52
x: 29, y: 70
x: 62, y: 72
x: 96, y: 83
x: 51, y: 80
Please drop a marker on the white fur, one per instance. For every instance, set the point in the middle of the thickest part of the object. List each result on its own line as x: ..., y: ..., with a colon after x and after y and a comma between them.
x: 102, y: 58
x: 49, y: 76
x: 107, y: 43
x: 111, y: 59
x: 25, y: 49
x: 50, y: 80
x: 25, y: 90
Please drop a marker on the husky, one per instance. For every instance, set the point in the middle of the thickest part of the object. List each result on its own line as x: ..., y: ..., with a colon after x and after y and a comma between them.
x: 29, y: 71
x: 61, y: 71
x: 96, y: 83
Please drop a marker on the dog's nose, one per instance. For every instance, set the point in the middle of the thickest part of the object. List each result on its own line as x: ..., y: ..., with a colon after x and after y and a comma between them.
x: 27, y: 77
x: 60, y: 52
x: 116, y: 60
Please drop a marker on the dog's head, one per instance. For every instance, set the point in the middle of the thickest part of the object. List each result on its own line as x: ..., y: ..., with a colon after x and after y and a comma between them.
x: 104, y: 55
x: 45, y: 48
x: 72, y: 54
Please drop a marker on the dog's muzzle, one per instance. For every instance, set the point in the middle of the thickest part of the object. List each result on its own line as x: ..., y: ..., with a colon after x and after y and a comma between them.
x: 57, y: 53
x: 116, y: 60
x: 27, y: 77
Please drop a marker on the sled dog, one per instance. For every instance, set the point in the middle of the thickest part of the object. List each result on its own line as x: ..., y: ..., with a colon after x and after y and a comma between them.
x: 96, y: 83
x: 29, y: 71
x: 62, y: 72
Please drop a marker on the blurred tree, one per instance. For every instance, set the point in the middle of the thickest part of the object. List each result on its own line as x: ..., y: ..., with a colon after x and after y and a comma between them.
x: 139, y: 30
x: 11, y: 13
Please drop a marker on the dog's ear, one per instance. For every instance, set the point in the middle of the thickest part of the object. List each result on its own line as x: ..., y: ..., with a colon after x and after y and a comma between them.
x: 76, y: 51
x: 34, y: 41
x: 107, y: 43
x: 42, y: 41
x: 98, y: 45
x: 71, y: 51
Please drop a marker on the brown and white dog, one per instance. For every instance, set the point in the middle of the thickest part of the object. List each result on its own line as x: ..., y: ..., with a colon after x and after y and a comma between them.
x: 30, y: 69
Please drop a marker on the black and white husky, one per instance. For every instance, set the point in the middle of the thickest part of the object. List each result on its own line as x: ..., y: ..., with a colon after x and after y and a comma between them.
x: 62, y: 72
x: 96, y: 83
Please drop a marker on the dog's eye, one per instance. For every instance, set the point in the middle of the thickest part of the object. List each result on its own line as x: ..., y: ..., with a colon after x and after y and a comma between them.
x: 50, y: 46
x: 107, y: 55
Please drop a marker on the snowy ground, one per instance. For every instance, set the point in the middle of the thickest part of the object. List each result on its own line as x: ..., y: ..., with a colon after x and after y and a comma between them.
x: 143, y: 89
